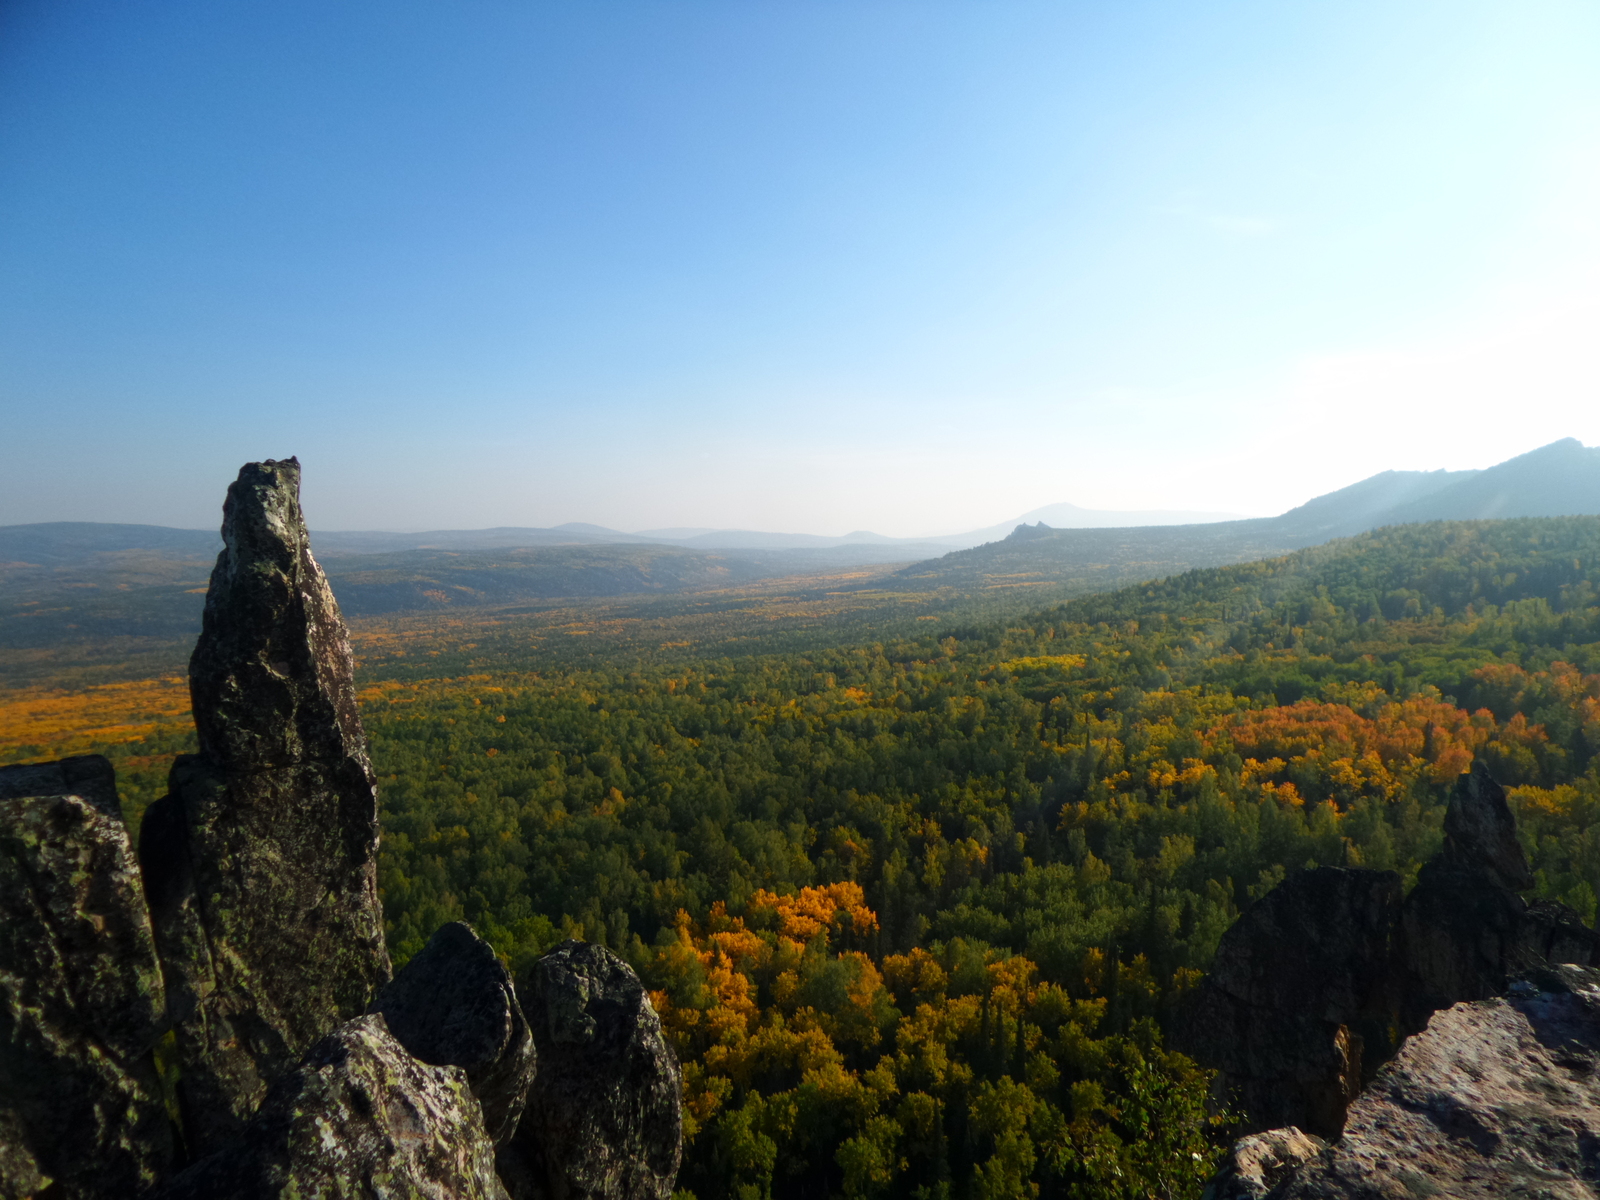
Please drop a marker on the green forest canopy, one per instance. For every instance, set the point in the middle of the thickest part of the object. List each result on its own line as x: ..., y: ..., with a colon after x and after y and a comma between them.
x: 1010, y: 849
x: 916, y: 913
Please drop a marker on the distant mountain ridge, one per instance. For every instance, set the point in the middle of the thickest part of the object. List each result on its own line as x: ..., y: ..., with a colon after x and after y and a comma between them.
x: 1558, y: 480
x: 48, y: 542
x: 1561, y: 479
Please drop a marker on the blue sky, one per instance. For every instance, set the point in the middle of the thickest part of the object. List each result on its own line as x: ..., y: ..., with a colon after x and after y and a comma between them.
x: 781, y: 264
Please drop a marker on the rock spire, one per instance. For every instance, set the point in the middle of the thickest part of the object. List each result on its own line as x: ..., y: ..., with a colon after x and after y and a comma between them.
x: 261, y: 860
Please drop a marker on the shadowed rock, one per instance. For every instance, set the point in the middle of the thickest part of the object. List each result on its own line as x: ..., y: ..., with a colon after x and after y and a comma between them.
x: 1466, y: 929
x: 358, y: 1116
x: 1480, y: 833
x: 1302, y: 1000
x: 1494, y: 1099
x: 454, y: 1005
x: 260, y: 863
x: 81, y: 1000
x: 604, y: 1119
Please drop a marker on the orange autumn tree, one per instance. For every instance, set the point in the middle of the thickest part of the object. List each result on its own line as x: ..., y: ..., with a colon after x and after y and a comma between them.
x: 805, y: 1059
x: 1320, y: 750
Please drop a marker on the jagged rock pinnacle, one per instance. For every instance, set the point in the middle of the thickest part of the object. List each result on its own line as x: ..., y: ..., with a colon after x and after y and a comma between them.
x: 1481, y: 833
x: 261, y: 862
x: 271, y: 675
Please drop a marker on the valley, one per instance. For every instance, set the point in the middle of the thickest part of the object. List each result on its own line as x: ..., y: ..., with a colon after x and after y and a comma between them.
x: 919, y: 861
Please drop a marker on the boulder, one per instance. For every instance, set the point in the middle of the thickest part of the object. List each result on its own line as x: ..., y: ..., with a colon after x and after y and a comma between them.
x: 357, y: 1117
x: 81, y: 999
x: 604, y: 1119
x: 1467, y: 931
x: 260, y: 863
x: 1494, y: 1099
x: 1258, y: 1163
x: 1302, y: 1000
x: 454, y: 1005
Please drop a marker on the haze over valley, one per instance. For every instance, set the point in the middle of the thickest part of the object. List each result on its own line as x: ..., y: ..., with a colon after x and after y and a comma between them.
x: 121, y: 598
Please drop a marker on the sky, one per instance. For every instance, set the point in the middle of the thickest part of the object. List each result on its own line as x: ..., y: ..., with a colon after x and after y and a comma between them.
x: 800, y: 265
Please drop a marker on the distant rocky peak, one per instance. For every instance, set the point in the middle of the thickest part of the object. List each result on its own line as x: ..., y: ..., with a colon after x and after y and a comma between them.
x: 1025, y: 532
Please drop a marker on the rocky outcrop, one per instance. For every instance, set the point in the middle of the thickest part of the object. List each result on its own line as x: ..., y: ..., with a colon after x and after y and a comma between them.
x: 1494, y: 1099
x: 1467, y: 930
x: 260, y: 863
x: 250, y: 926
x: 454, y: 1005
x: 358, y: 1116
x: 1302, y: 1000
x: 1489, y: 1097
x: 81, y: 999
x: 1316, y: 982
x: 604, y: 1118
x: 1260, y: 1162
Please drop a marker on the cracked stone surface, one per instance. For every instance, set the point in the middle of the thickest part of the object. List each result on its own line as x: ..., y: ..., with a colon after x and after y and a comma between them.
x: 1302, y: 999
x: 358, y: 1116
x: 261, y: 861
x: 1258, y: 1163
x: 604, y: 1119
x: 81, y: 995
x: 1494, y: 1100
x: 454, y: 1005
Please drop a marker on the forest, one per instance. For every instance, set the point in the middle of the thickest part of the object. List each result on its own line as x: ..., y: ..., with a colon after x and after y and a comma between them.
x: 917, y: 912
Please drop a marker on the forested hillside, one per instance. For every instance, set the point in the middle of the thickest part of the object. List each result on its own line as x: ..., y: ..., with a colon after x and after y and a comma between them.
x: 917, y: 912
x: 1560, y: 479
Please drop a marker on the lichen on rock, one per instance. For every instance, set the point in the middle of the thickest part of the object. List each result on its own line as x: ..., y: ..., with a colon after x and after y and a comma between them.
x: 454, y: 1004
x: 260, y: 862
x: 81, y: 996
x: 604, y: 1119
x: 358, y: 1116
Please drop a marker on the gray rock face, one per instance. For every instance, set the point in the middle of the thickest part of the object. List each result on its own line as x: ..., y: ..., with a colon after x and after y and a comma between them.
x: 1302, y: 1000
x: 81, y: 999
x: 454, y: 1005
x: 1480, y: 833
x: 1466, y: 930
x: 1258, y: 1163
x: 1315, y: 982
x: 358, y: 1117
x: 604, y: 1119
x: 260, y: 863
x: 1495, y: 1099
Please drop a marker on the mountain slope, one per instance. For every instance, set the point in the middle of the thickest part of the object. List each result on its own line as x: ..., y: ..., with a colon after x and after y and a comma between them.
x: 1558, y: 480
x: 1561, y: 479
x: 1370, y: 503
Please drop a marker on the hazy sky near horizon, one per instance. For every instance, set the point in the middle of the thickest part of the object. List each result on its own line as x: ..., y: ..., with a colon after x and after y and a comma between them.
x: 786, y: 264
